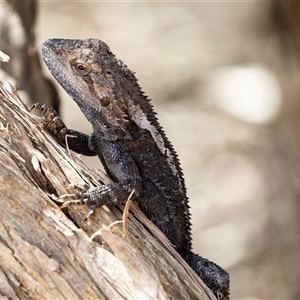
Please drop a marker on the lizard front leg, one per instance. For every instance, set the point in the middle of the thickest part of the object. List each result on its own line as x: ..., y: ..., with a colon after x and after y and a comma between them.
x: 74, y: 140
x: 119, y: 166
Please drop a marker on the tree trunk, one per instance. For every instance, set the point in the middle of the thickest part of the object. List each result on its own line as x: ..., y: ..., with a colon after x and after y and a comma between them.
x: 46, y: 253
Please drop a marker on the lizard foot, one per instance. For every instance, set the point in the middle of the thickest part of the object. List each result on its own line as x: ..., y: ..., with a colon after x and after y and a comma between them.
x: 80, y: 201
x: 93, y: 197
x: 107, y: 194
x: 51, y: 120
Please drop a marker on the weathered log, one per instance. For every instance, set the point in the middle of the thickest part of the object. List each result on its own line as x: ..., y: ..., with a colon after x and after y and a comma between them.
x: 46, y: 253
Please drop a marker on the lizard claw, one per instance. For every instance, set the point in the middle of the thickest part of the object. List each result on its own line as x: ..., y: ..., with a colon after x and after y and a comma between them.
x: 51, y: 120
x: 76, y: 199
x: 90, y: 212
x: 35, y: 105
x: 47, y: 111
x: 81, y: 187
x: 79, y: 202
x: 73, y: 199
x: 72, y: 202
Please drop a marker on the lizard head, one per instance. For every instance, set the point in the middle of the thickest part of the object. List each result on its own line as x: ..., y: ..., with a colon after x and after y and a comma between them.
x: 97, y: 81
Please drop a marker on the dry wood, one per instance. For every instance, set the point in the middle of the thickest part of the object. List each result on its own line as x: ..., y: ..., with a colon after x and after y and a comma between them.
x: 46, y: 253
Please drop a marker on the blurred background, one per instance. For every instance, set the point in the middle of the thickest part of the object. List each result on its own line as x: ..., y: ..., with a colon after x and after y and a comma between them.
x: 224, y: 78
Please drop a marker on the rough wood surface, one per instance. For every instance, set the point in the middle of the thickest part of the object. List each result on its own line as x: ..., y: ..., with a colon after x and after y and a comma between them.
x: 46, y: 253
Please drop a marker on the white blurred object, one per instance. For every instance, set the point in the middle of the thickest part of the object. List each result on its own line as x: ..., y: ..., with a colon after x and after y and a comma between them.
x: 4, y: 57
x: 249, y: 93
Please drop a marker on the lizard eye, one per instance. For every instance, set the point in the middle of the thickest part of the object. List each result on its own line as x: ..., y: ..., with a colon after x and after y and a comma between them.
x: 81, y: 68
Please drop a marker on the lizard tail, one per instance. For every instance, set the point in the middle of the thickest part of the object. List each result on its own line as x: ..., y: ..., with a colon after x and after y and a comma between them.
x: 211, y: 274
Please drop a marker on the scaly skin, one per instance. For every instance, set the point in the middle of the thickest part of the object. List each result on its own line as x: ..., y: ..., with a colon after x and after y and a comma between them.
x: 130, y: 143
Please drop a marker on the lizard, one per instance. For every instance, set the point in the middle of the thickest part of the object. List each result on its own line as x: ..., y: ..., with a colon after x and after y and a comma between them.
x: 130, y: 143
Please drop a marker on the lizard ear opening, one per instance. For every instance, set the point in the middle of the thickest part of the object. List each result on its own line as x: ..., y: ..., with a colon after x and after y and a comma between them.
x: 81, y: 68
x: 104, y: 101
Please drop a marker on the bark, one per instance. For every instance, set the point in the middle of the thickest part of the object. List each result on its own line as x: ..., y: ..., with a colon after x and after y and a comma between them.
x: 47, y: 253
